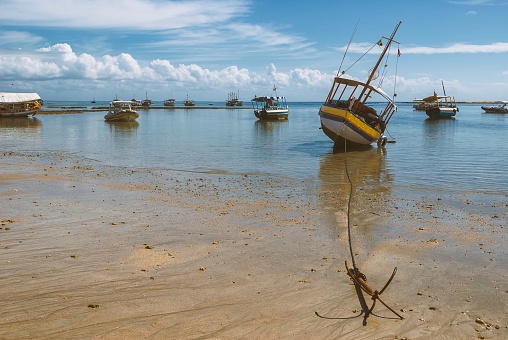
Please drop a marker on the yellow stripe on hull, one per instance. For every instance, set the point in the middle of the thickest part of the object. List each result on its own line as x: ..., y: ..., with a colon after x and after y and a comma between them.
x: 341, y: 123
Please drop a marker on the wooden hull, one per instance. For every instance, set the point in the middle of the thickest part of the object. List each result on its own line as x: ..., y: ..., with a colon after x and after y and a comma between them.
x: 341, y: 125
x: 121, y: 117
x: 441, y: 112
x: 276, y: 114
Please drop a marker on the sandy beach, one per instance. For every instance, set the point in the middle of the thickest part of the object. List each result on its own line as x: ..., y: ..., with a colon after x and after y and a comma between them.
x: 96, y: 252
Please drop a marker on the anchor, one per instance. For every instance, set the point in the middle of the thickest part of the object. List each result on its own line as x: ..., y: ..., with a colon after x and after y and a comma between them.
x: 360, y: 281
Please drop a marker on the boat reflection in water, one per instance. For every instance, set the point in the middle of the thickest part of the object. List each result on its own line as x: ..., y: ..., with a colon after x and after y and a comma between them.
x: 371, y: 184
x: 123, y: 127
x: 20, y: 122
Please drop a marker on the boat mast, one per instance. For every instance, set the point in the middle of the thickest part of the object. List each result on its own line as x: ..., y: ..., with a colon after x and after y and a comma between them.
x: 371, y: 76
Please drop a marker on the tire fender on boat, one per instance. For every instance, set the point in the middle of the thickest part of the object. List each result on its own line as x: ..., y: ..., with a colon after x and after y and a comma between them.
x: 381, y: 142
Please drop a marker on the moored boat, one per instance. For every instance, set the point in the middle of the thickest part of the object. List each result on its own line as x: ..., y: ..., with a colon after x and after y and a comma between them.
x: 347, y: 118
x: 496, y: 109
x: 188, y: 102
x: 171, y: 101
x: 233, y: 99
x: 121, y: 111
x: 442, y: 107
x: 146, y: 102
x: 16, y: 104
x: 270, y: 108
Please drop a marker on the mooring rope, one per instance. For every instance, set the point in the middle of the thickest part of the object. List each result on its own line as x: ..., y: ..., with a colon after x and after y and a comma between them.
x: 349, y: 209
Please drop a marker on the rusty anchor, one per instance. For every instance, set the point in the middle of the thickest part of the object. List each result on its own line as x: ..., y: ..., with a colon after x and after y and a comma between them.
x: 360, y: 281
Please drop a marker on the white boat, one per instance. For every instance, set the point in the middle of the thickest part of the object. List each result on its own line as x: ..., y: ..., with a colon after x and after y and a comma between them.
x: 270, y: 108
x: 346, y: 116
x: 19, y: 104
x: 121, y: 111
x: 496, y: 109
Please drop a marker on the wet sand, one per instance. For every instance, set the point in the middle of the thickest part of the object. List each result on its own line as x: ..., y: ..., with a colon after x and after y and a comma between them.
x: 96, y: 252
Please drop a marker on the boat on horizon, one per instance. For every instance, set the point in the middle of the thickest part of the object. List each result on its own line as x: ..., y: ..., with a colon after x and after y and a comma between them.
x: 496, y: 109
x: 146, y: 102
x: 188, y: 102
x: 121, y: 111
x: 19, y: 104
x: 170, y: 101
x: 442, y: 107
x: 346, y: 116
x: 270, y: 108
x: 233, y: 99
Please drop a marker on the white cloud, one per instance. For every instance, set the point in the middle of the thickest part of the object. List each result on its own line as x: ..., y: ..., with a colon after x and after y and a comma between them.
x: 124, y: 14
x: 497, y: 47
x: 17, y: 38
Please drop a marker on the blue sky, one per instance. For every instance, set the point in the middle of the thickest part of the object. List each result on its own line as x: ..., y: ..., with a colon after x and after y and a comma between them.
x: 78, y: 50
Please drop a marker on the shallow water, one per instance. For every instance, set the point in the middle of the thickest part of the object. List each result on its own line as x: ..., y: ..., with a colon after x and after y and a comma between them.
x: 467, y: 153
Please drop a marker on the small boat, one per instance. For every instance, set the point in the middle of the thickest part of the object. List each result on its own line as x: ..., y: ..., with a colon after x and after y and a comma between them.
x: 423, y: 104
x: 93, y: 101
x: 188, y: 102
x: 233, y: 100
x: 146, y: 102
x: 121, y: 111
x: 346, y: 117
x: 496, y: 109
x: 19, y: 104
x: 441, y: 107
x: 270, y: 108
x: 170, y: 101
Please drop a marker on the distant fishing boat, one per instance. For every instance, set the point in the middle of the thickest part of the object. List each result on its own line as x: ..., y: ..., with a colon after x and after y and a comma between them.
x: 271, y: 108
x: 170, y: 101
x: 19, y: 104
x: 93, y: 101
x: 146, y: 102
x: 442, y: 107
x: 345, y: 115
x: 188, y: 102
x: 496, y: 109
x: 233, y: 99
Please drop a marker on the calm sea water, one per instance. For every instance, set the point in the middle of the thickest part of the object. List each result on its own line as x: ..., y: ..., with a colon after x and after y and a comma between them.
x: 468, y: 153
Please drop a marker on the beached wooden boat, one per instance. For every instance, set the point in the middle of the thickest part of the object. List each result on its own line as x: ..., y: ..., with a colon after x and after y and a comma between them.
x: 442, y: 107
x: 346, y: 116
x: 121, y: 111
x: 17, y: 104
x: 496, y: 109
x: 270, y: 108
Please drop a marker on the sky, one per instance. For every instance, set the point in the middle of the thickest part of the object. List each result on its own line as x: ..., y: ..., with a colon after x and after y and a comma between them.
x: 205, y: 49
